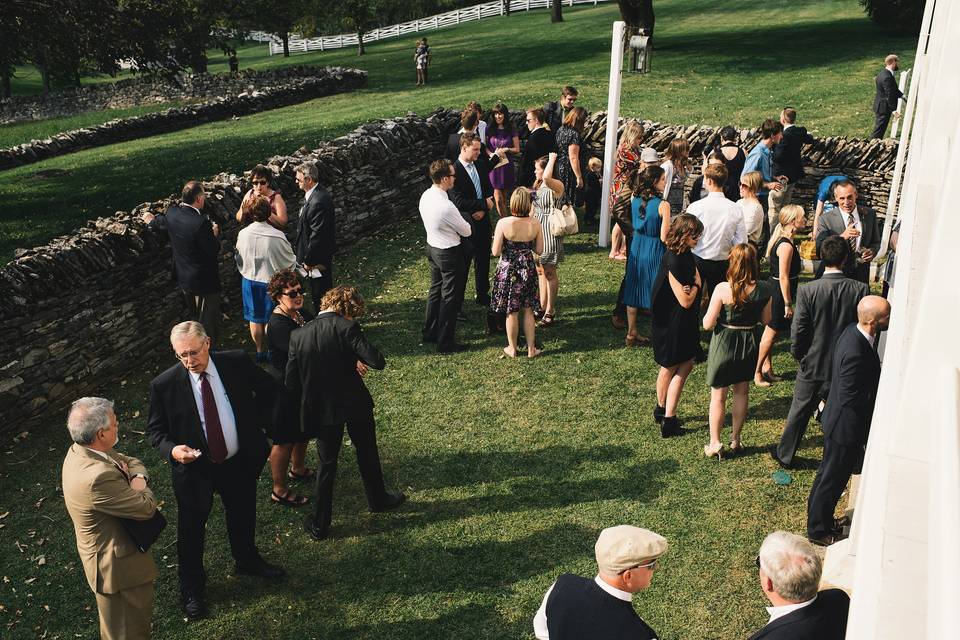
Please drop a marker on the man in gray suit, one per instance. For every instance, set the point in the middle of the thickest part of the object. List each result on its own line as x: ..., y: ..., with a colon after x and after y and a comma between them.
x: 857, y: 225
x: 825, y: 307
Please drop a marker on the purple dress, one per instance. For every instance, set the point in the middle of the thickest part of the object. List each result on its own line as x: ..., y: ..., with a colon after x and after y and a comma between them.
x: 515, y: 283
x: 505, y: 177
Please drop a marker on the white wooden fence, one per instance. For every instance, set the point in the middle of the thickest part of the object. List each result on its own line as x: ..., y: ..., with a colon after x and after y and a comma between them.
x: 439, y: 21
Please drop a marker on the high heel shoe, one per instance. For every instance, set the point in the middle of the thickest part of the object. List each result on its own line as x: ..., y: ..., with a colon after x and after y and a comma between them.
x: 736, y: 447
x: 709, y: 451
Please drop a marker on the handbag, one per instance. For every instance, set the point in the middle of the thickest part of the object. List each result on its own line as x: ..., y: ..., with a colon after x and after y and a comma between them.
x: 563, y: 221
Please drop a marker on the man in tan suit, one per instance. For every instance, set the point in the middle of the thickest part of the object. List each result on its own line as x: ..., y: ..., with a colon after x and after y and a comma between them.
x: 100, y: 486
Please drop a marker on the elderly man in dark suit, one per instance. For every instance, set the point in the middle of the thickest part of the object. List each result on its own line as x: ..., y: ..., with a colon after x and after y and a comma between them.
x: 316, y: 232
x: 888, y: 95
x: 823, y: 308
x: 787, y: 162
x: 790, y: 570
x: 206, y: 415
x: 472, y: 194
x: 846, y: 420
x: 193, y: 241
x: 540, y: 142
x: 327, y: 361
x: 857, y: 225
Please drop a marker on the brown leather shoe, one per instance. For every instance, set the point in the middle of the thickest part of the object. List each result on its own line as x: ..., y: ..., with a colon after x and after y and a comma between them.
x: 618, y: 322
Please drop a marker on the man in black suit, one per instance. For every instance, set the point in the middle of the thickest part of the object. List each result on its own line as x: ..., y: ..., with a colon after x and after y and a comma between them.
x: 888, y: 95
x: 472, y: 194
x: 555, y: 112
x: 193, y: 241
x: 327, y: 361
x: 846, y: 420
x: 205, y: 420
x: 540, y: 142
x: 790, y: 570
x: 787, y: 162
x: 823, y: 308
x: 316, y: 232
x: 857, y: 225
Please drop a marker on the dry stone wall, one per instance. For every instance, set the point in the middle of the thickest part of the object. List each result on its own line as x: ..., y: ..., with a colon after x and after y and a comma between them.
x: 326, y: 82
x: 93, y: 305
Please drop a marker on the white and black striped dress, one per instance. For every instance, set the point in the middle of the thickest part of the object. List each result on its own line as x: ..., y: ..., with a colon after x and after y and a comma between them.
x: 543, y: 201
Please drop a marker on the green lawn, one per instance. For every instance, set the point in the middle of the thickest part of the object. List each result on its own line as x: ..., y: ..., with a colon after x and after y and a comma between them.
x: 512, y: 468
x: 716, y: 62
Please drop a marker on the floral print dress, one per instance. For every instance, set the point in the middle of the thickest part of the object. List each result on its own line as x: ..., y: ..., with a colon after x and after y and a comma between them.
x: 515, y: 284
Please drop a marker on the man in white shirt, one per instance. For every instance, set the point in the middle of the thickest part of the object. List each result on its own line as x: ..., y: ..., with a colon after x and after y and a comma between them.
x: 723, y: 227
x: 445, y: 227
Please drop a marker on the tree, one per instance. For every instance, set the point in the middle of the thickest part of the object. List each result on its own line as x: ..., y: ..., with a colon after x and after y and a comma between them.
x: 276, y: 17
x: 903, y: 16
x: 556, y: 11
x: 638, y: 15
x: 361, y: 16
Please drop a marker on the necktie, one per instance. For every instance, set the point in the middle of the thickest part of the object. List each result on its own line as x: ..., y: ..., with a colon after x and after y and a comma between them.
x: 475, y: 178
x: 852, y: 241
x: 211, y: 419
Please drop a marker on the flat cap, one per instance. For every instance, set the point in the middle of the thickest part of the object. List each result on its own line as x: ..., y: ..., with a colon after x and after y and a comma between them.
x: 649, y: 154
x: 624, y: 546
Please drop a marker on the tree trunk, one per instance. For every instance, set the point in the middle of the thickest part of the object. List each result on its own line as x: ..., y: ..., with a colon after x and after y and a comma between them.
x: 360, y: 49
x: 198, y: 60
x: 6, y: 71
x: 286, y: 44
x: 556, y: 12
x: 76, y: 77
x: 506, y: 7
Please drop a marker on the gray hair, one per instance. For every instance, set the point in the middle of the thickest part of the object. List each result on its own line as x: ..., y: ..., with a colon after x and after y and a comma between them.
x: 309, y: 170
x: 88, y: 416
x: 792, y: 564
x: 187, y: 328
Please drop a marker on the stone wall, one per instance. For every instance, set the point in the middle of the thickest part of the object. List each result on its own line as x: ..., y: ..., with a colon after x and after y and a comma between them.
x: 145, y: 90
x: 324, y: 82
x: 92, y: 305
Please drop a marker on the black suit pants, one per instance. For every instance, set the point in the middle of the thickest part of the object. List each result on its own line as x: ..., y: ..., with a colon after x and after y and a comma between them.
x: 839, y: 462
x: 205, y: 309
x: 880, y: 125
x: 447, y: 276
x: 479, y: 255
x: 362, y: 429
x: 712, y: 273
x: 236, y: 482
x: 320, y: 286
x: 806, y: 397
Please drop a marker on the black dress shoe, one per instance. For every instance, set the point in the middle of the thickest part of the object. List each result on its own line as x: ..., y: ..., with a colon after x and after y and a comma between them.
x: 670, y: 427
x: 194, y: 607
x: 316, y: 531
x: 456, y: 347
x: 825, y: 540
x: 261, y: 568
x: 773, y: 454
x: 658, y: 414
x: 392, y: 501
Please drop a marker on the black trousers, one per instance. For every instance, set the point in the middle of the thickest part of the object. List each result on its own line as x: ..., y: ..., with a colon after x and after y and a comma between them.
x: 478, y: 254
x: 236, y: 482
x: 807, y: 393
x: 712, y: 272
x: 205, y: 309
x: 447, y: 277
x: 362, y: 430
x: 880, y: 125
x: 839, y: 462
x: 320, y: 286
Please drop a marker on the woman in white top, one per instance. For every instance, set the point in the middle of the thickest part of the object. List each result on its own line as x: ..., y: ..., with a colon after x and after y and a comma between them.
x: 753, y: 216
x: 675, y: 167
x: 261, y: 251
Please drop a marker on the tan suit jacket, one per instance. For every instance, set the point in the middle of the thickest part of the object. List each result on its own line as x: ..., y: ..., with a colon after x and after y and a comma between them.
x: 97, y: 494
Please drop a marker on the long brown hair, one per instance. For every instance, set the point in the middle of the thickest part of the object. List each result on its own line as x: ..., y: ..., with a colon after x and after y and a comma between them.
x: 679, y: 153
x: 742, y: 272
x: 682, y: 228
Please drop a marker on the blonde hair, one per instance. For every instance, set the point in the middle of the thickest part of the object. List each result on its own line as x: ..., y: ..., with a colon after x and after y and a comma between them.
x: 633, y: 133
x: 789, y: 214
x: 594, y: 164
x: 520, y: 203
x: 752, y: 181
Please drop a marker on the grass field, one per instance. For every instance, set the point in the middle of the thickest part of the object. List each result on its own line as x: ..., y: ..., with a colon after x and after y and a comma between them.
x: 512, y: 467
x: 716, y: 62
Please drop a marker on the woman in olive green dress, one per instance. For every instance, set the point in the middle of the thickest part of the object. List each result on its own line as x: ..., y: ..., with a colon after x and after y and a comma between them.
x: 738, y: 310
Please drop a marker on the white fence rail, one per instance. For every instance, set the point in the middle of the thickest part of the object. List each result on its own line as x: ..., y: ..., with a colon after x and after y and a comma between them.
x: 439, y: 21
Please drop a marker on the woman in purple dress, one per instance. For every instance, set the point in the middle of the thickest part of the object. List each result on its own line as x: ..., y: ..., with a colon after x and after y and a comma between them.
x: 503, y: 140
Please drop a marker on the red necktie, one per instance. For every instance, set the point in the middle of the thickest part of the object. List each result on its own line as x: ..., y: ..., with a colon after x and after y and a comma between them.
x: 211, y: 419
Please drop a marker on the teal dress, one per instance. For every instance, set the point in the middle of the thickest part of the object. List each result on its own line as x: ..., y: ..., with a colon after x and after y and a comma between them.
x: 735, y: 343
x: 646, y: 253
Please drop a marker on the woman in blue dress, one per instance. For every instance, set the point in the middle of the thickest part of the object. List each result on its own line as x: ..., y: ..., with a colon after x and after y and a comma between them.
x: 651, y: 223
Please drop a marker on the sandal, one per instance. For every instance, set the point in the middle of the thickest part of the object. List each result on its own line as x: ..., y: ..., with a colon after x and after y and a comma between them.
x: 637, y: 341
x: 308, y: 474
x: 546, y: 320
x: 289, y: 499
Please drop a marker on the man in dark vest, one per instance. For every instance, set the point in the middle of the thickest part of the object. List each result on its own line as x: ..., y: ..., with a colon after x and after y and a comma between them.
x: 576, y: 607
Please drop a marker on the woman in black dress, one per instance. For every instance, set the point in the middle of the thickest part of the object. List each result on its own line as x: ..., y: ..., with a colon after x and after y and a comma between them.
x: 735, y: 159
x: 571, y: 158
x: 289, y: 443
x: 675, y: 325
x: 784, y: 262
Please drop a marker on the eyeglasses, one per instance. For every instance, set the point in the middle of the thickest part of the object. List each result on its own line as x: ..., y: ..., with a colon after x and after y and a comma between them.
x: 186, y: 355
x: 650, y: 565
x: 452, y: 175
x: 757, y: 560
x: 529, y: 119
x: 260, y: 182
x: 293, y: 293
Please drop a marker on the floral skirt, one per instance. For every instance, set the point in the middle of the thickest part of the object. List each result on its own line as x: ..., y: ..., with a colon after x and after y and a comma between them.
x: 515, y: 284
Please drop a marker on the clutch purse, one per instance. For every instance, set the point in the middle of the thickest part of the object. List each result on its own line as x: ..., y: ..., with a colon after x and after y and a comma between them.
x: 145, y: 532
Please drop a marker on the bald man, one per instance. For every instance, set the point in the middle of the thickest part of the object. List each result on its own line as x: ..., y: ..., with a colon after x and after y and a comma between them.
x: 855, y: 374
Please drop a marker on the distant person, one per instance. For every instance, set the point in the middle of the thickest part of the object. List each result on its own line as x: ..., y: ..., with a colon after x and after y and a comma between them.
x: 420, y: 57
x: 575, y: 607
x: 753, y: 216
x: 888, y: 95
x: 855, y: 374
x: 260, y: 177
x: 426, y: 63
x: 790, y: 572
x: 697, y: 189
x: 733, y: 158
x: 546, y: 194
x: 787, y: 160
x: 472, y: 194
x: 195, y: 247
x: 102, y: 488
x: 556, y: 112
x: 593, y: 184
x: 737, y: 309
x: 316, y: 232
x: 823, y: 309
x: 858, y: 225
x: 760, y: 159
x: 676, y: 166
x: 571, y: 156
x: 723, y: 227
x: 625, y: 167
x: 504, y: 141
x: 824, y: 198
x: 515, y: 289
x: 540, y: 142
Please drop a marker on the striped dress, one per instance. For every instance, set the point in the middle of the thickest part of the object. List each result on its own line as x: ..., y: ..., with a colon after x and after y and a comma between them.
x: 543, y: 201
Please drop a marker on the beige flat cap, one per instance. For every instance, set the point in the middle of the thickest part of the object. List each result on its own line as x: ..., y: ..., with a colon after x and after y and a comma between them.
x: 625, y: 546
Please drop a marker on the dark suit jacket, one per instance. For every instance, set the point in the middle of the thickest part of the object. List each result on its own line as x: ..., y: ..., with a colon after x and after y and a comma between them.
x: 787, y: 160
x: 174, y: 418
x: 464, y: 196
x: 554, y: 113
x: 888, y: 93
x: 853, y: 389
x: 833, y: 223
x: 322, y: 370
x: 539, y: 143
x: 824, y: 308
x: 316, y: 230
x: 824, y: 619
x: 194, y: 247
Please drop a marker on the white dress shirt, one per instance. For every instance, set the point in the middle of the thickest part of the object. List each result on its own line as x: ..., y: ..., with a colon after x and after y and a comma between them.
x: 306, y: 196
x: 225, y: 411
x: 752, y: 218
x: 784, y: 609
x: 442, y: 220
x: 723, y: 226
x: 261, y: 251
x: 481, y: 131
x: 856, y: 223
x: 540, y: 620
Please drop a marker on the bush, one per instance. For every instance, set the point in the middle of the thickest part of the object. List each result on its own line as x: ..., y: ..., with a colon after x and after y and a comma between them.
x: 902, y: 16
